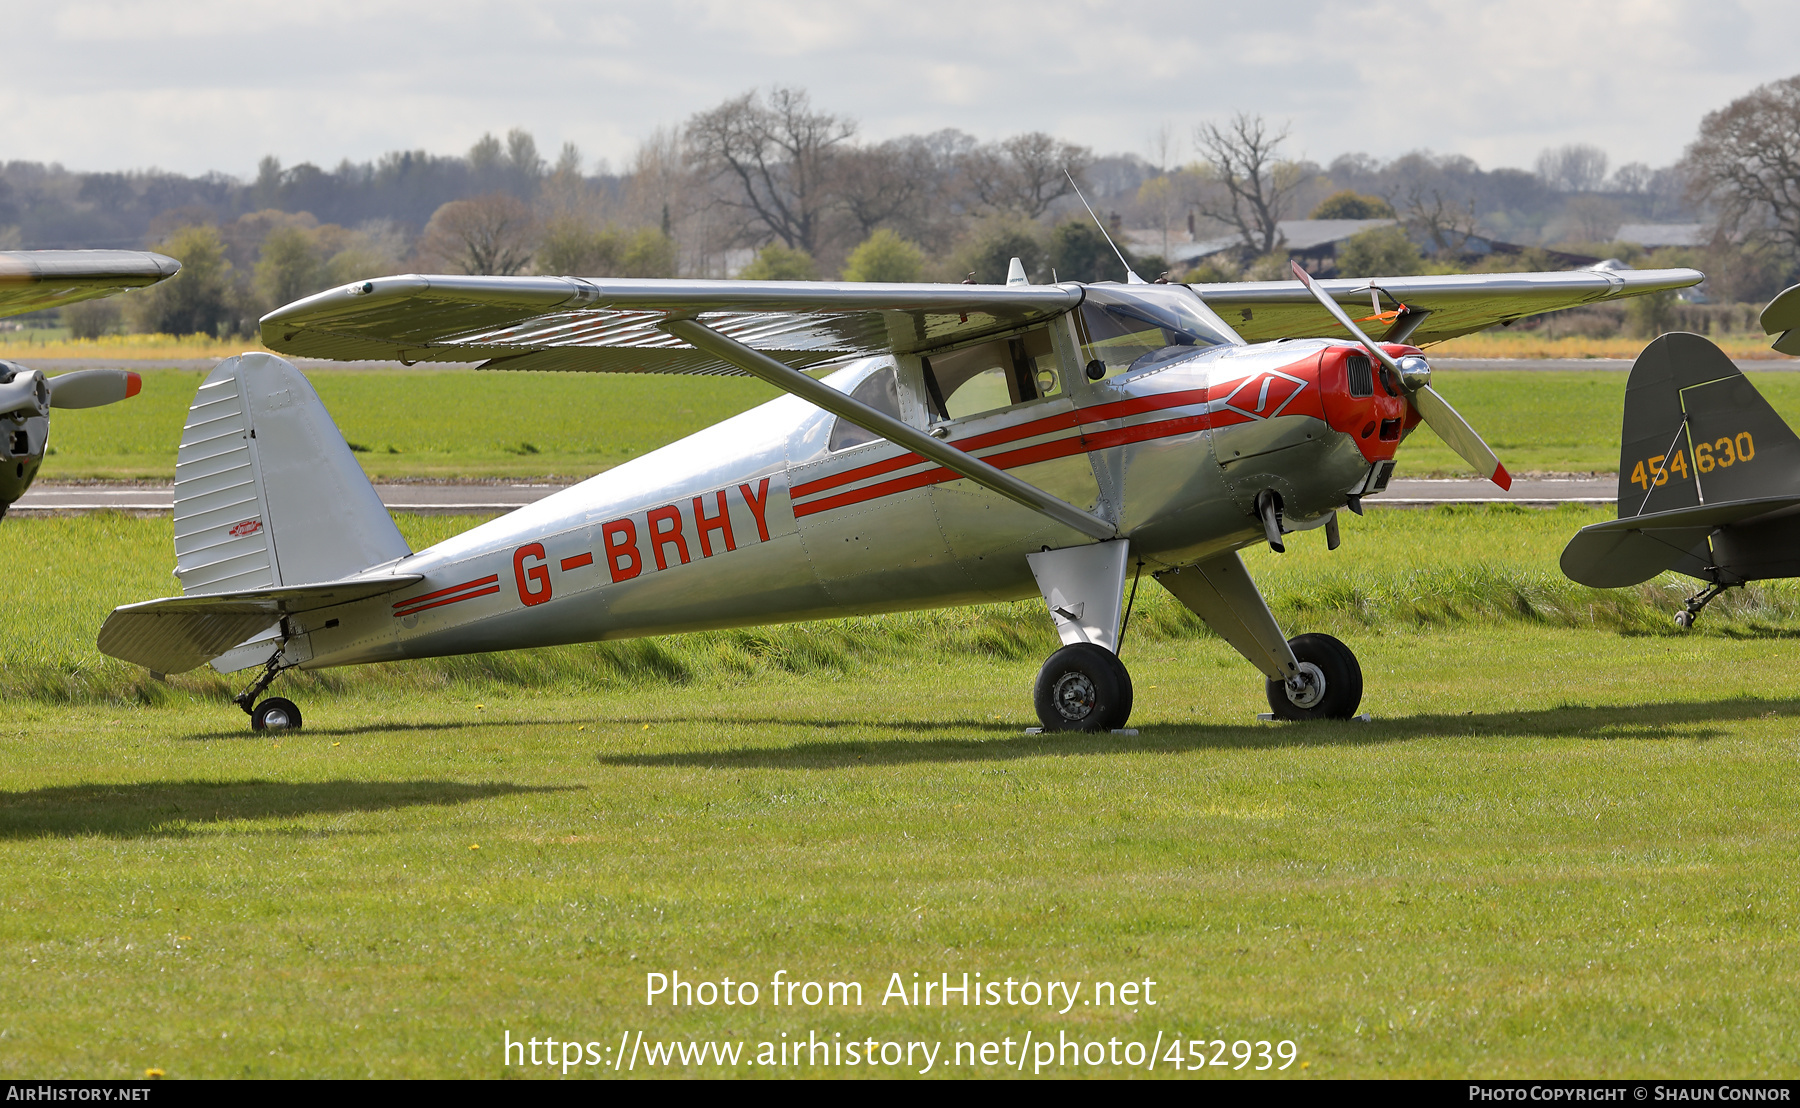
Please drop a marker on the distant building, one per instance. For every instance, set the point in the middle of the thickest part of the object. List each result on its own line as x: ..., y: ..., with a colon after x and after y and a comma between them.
x: 1652, y: 236
x: 1313, y: 242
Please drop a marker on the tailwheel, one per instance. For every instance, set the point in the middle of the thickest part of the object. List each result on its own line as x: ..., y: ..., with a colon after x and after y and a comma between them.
x: 1083, y: 687
x: 1329, y: 685
x: 277, y: 713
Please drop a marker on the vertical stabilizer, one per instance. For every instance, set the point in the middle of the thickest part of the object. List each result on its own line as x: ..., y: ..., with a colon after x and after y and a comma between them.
x: 1696, y: 432
x: 267, y: 493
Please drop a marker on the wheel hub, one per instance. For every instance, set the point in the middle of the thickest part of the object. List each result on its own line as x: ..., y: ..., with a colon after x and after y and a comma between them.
x: 1075, y: 697
x: 276, y: 719
x: 1307, y: 688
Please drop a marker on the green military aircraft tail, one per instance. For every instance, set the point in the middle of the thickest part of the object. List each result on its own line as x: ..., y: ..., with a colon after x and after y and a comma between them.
x: 1709, y: 480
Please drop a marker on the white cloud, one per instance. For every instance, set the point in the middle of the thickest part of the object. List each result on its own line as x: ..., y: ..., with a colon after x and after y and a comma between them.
x: 209, y: 85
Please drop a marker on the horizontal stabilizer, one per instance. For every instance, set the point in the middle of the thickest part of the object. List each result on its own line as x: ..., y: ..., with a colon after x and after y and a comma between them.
x: 177, y: 633
x: 1634, y: 549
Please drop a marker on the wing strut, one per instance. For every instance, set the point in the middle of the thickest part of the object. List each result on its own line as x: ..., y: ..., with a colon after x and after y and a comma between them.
x: 842, y: 405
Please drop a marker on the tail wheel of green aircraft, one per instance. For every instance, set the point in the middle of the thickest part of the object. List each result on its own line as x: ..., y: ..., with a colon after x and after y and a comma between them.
x: 1332, y: 681
x: 277, y: 713
x: 1083, y: 687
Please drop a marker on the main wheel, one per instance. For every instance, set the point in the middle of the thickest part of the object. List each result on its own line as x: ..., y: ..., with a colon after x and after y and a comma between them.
x: 1083, y: 687
x: 1335, y: 682
x: 277, y: 713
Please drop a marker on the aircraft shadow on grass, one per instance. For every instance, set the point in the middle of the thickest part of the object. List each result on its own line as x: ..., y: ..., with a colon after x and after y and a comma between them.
x: 1669, y: 720
x: 172, y: 808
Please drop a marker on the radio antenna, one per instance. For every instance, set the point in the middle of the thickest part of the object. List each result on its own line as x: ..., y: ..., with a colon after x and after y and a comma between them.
x: 1131, y: 277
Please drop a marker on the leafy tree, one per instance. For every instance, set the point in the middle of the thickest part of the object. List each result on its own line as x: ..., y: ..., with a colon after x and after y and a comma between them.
x: 198, y: 300
x: 1378, y: 252
x: 490, y: 234
x: 1350, y: 204
x: 1079, y: 252
x: 90, y: 319
x: 570, y: 247
x: 987, y: 253
x: 778, y: 263
x: 290, y: 267
x: 885, y: 256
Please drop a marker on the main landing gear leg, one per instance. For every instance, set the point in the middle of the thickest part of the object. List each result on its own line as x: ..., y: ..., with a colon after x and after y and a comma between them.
x: 277, y: 713
x: 1084, y: 686
x: 1690, y: 611
x: 1309, y: 676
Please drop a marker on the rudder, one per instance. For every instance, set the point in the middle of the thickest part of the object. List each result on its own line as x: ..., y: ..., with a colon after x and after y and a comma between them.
x: 267, y: 492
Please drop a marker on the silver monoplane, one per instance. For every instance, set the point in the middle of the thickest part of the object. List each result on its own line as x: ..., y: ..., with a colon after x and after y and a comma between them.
x: 970, y: 444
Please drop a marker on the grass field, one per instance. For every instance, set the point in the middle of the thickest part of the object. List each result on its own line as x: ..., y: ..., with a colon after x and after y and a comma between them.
x: 463, y: 424
x: 1565, y: 847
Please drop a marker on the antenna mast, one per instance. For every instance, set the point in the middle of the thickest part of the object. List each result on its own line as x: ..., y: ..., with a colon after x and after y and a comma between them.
x: 1131, y: 277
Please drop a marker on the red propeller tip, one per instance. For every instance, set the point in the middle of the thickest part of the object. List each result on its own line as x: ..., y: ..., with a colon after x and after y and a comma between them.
x: 133, y: 384
x: 1501, y: 477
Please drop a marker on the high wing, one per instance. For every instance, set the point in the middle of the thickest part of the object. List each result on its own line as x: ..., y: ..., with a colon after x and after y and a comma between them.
x: 614, y: 325
x: 1451, y: 305
x: 611, y: 324
x: 33, y: 279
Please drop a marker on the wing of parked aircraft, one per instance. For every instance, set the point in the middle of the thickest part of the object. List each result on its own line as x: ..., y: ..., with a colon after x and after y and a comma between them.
x: 34, y: 279
x: 1444, y: 306
x: 618, y: 325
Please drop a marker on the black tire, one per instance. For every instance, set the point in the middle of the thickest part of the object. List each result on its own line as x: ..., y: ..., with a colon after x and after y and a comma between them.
x: 1336, y: 665
x: 277, y: 713
x: 1083, y: 688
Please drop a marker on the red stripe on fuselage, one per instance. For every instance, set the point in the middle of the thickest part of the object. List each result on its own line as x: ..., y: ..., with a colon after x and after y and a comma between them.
x: 420, y: 603
x: 449, y: 600
x: 1063, y: 421
x: 1027, y: 455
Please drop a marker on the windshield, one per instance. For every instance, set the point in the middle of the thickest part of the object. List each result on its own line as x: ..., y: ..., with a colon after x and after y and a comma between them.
x: 1121, y: 325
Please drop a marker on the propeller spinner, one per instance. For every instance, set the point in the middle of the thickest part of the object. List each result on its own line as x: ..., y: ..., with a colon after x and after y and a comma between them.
x: 1413, y: 374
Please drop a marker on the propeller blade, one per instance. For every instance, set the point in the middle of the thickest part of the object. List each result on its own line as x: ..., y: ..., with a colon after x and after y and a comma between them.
x: 90, y: 388
x: 1458, y: 435
x: 1432, y: 407
x: 1344, y: 320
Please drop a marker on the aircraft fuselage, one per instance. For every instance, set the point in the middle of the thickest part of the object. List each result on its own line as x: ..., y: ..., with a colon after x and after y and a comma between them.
x: 757, y: 520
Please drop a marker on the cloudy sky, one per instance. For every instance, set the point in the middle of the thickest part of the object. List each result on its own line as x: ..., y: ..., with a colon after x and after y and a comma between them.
x: 216, y: 84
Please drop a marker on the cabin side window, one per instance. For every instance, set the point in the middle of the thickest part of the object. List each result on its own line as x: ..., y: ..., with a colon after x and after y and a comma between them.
x: 878, y: 391
x: 993, y: 375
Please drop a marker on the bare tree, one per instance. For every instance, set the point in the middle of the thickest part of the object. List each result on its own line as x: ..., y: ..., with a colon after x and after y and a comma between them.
x: 1746, y: 162
x: 1254, y: 186
x: 1025, y: 174
x: 490, y: 234
x: 885, y: 183
x: 1577, y: 167
x: 779, y: 153
x: 1448, y: 226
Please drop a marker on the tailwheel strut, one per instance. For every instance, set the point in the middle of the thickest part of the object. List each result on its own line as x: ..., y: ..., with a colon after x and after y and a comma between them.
x: 1691, y: 610
x: 276, y: 713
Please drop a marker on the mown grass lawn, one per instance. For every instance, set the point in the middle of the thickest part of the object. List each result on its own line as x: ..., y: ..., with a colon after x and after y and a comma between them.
x: 1565, y: 846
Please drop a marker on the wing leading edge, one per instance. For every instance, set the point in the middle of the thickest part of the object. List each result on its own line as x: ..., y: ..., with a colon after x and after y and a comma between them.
x: 612, y: 325
x: 34, y: 279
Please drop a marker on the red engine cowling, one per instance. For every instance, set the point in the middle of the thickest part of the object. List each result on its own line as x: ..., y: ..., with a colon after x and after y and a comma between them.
x: 1362, y: 400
